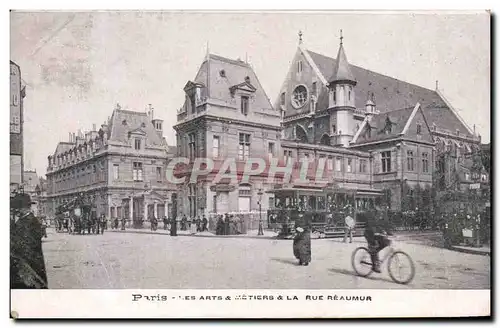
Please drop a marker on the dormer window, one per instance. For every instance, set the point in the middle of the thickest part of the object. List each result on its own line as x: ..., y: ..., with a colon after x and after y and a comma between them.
x: 222, y: 73
x: 247, y: 79
x: 143, y: 124
x: 244, y: 105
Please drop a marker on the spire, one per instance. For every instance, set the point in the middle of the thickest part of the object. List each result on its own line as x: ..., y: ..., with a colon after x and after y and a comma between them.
x: 437, y: 85
x: 300, y: 37
x: 207, y: 54
x: 342, y: 70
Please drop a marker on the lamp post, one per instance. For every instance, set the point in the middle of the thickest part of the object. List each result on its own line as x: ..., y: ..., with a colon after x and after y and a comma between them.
x: 261, y: 230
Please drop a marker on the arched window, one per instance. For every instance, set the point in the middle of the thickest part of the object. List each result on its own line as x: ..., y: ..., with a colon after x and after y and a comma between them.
x: 325, y: 140
x: 301, y: 134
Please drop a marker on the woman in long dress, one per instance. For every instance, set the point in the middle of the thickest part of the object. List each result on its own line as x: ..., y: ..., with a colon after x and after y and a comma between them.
x: 192, y: 226
x: 302, y: 246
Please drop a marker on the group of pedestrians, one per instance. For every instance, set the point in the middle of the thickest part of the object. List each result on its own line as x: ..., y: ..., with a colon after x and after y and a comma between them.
x: 194, y: 225
x: 228, y: 225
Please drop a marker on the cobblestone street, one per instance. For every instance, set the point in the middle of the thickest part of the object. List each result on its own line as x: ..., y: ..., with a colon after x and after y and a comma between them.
x: 128, y: 260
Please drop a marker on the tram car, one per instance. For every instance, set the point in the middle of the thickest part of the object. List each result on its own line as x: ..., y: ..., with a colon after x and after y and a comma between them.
x: 322, y: 210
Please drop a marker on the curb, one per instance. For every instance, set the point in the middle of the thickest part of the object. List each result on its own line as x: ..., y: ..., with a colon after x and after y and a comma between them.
x: 189, y: 235
x: 469, y: 251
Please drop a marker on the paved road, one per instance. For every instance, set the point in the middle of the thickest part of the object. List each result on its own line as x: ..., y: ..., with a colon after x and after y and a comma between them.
x: 126, y: 260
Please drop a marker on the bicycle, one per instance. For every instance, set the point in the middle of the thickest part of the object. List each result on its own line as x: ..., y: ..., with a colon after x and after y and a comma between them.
x: 362, y: 264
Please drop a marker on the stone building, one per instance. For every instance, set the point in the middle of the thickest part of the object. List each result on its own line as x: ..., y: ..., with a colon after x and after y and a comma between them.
x: 119, y: 168
x: 226, y: 114
x: 17, y: 95
x: 376, y: 132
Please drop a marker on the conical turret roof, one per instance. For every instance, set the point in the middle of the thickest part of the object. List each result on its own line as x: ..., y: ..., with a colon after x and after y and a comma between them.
x: 342, y: 70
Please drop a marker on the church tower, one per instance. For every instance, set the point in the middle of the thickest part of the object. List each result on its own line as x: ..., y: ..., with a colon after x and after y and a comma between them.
x: 341, y: 100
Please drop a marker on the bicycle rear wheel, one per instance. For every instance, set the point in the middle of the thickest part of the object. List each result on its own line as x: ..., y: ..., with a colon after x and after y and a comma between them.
x: 401, y: 267
x: 361, y: 261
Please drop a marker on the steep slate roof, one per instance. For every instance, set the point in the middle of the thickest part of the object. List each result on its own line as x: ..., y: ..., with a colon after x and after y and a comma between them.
x: 235, y: 72
x: 134, y: 121
x: 62, y: 147
x: 392, y: 93
x: 398, y: 118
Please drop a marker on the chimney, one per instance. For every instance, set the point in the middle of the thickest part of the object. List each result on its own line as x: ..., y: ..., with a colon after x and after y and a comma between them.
x: 69, y: 140
x: 93, y: 127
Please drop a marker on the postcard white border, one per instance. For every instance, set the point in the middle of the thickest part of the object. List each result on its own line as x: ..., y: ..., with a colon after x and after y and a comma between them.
x: 185, y: 303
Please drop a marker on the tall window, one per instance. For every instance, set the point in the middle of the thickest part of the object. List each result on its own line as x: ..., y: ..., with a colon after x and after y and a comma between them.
x: 215, y: 146
x: 349, y: 93
x: 193, y: 103
x: 137, y: 171
x: 350, y: 166
x: 299, y: 66
x: 329, y: 162
x: 419, y: 128
x: 137, y: 144
x: 158, y: 174
x: 314, y: 88
x: 192, y: 145
x: 244, y: 198
x: 116, y: 171
x: 410, y: 160
x: 244, y: 148
x: 338, y: 164
x: 386, y: 161
x: 192, y: 200
x: 425, y: 162
x: 270, y: 149
x: 244, y: 105
x: 288, y: 156
x: 282, y: 100
x: 362, y: 166
x: 334, y: 96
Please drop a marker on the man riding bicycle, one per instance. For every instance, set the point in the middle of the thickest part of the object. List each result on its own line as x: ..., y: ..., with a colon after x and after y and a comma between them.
x: 376, y: 232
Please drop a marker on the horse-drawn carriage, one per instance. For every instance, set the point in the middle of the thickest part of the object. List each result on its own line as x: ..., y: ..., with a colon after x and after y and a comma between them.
x: 77, y: 217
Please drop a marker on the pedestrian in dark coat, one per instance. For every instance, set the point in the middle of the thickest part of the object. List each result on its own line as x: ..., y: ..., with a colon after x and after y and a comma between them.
x: 219, y: 230
x: 204, y: 223
x: 302, y: 246
x: 198, y: 225
x: 226, y: 225
x: 184, y: 223
x: 27, y: 265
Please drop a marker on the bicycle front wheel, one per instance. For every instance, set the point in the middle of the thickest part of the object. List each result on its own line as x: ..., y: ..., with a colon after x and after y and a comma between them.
x: 401, y: 267
x: 361, y: 261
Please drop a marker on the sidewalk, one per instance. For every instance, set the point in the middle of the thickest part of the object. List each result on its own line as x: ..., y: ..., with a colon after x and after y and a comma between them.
x: 250, y: 233
x: 472, y: 250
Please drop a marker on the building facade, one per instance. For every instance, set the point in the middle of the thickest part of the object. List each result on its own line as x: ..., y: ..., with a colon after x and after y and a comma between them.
x: 17, y: 94
x: 226, y: 114
x: 375, y: 131
x: 119, y: 168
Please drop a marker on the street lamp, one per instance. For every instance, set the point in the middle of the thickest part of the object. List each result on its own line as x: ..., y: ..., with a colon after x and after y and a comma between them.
x: 261, y: 230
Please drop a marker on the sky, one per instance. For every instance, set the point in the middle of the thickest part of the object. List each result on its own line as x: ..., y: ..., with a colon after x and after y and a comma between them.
x: 78, y: 65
